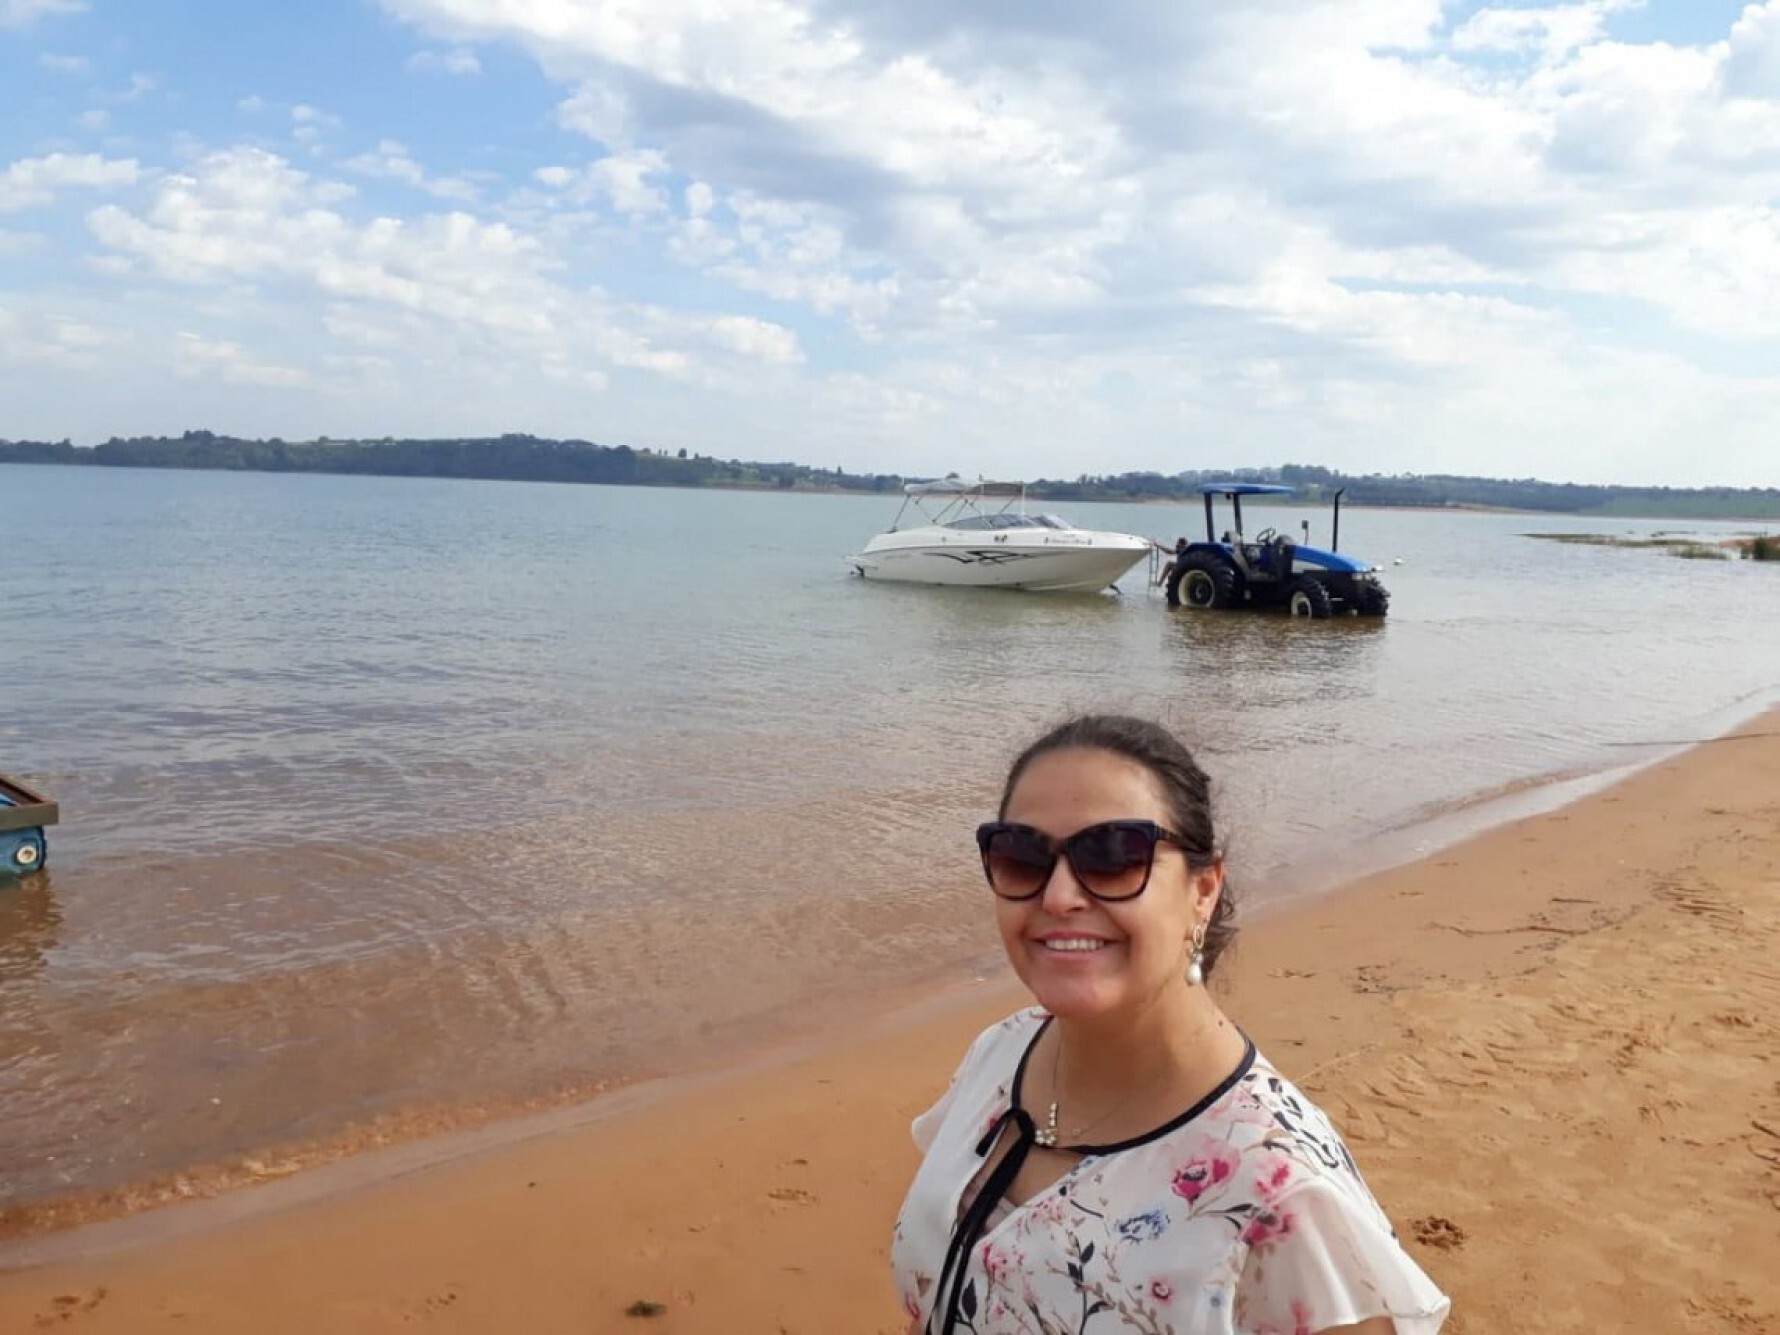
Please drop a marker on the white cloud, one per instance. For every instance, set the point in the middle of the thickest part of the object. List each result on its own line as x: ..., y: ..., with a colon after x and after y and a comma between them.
x: 17, y: 13
x: 458, y: 60
x: 757, y: 339
x: 621, y: 180
x: 391, y: 162
x: 252, y: 105
x: 1351, y: 196
x: 97, y: 120
x: 1311, y: 228
x: 1752, y: 66
x: 48, y: 341
x: 310, y: 125
x: 199, y: 358
x: 1552, y: 32
x: 32, y: 183
x: 73, y: 65
x: 246, y: 220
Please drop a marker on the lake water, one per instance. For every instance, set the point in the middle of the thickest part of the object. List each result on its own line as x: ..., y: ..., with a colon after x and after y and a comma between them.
x: 389, y: 802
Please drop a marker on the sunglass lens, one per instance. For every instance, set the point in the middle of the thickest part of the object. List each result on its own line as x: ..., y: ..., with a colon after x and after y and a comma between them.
x: 1019, y: 862
x: 1113, y: 861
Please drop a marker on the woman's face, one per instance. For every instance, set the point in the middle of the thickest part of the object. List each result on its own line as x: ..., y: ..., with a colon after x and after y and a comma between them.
x: 1137, y: 949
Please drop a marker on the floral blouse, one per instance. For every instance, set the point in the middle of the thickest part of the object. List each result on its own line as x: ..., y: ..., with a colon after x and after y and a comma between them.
x: 1244, y: 1214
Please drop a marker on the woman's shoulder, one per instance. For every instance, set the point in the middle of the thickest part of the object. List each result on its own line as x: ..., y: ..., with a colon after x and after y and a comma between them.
x: 1007, y: 1037
x: 1268, y: 1112
x: 983, y: 1077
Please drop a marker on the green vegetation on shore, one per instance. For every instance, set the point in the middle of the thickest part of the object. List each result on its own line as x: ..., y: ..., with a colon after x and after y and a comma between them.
x: 1759, y: 548
x: 521, y: 458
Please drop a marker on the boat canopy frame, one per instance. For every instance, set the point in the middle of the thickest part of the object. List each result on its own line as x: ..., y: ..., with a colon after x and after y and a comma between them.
x: 947, y: 500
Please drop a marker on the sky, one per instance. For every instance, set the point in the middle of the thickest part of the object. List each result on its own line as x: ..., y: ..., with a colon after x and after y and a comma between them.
x: 1004, y: 237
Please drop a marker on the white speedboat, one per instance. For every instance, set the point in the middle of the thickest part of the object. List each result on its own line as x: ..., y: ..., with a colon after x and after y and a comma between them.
x: 978, y: 534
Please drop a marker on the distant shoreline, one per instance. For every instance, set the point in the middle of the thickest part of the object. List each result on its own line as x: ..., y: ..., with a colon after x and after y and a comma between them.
x: 514, y: 458
x: 803, y: 489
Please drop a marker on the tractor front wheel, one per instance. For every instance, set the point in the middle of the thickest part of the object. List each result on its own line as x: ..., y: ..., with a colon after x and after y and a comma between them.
x: 1374, y: 600
x: 1310, y: 598
x: 1202, y: 582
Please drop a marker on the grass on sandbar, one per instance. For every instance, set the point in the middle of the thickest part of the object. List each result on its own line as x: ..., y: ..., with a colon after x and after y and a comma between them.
x: 1691, y: 549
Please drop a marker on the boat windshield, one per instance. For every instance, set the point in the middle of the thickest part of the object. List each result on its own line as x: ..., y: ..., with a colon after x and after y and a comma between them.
x: 958, y: 506
x: 977, y: 523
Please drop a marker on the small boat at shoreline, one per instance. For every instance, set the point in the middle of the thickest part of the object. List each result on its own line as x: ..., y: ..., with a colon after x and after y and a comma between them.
x: 23, y: 815
x: 978, y: 535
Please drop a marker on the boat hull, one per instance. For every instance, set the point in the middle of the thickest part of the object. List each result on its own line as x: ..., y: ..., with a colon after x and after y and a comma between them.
x: 1065, y: 563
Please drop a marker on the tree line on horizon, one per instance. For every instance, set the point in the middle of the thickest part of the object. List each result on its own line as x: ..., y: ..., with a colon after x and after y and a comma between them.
x: 525, y: 458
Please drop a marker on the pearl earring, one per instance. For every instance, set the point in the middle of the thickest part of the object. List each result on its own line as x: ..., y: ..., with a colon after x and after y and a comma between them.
x: 1196, y: 963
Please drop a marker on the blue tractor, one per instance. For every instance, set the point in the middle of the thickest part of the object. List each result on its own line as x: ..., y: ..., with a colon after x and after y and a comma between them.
x: 1270, y: 569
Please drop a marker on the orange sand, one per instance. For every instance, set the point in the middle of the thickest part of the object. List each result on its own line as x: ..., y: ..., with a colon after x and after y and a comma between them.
x: 1553, y: 1048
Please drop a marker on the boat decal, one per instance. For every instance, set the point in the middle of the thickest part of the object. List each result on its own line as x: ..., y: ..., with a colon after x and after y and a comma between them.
x: 986, y: 558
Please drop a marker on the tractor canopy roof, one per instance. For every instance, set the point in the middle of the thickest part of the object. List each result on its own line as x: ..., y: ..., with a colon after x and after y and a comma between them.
x: 1242, y: 489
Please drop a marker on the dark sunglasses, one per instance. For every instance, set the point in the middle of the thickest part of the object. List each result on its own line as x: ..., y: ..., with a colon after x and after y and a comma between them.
x: 1111, y: 861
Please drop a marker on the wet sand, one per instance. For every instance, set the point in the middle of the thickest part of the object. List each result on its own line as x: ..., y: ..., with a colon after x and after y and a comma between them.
x: 1553, y: 1048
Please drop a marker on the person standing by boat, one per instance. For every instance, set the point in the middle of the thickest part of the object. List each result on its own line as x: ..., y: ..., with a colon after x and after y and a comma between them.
x: 1120, y: 1156
x: 1174, y: 560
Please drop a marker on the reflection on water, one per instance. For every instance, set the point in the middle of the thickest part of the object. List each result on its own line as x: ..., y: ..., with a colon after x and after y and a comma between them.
x: 29, y: 925
x: 388, y: 796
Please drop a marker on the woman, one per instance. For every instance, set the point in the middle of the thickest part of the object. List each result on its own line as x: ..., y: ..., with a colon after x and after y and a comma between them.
x: 1120, y: 1158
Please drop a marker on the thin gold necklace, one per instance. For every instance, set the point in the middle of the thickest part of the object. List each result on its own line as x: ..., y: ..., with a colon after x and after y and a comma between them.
x: 1048, y: 1136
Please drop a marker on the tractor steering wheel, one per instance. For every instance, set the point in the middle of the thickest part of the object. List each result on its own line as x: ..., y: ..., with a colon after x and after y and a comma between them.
x: 1266, y: 535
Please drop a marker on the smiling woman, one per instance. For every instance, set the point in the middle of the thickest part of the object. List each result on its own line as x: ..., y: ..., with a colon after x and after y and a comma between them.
x: 1122, y: 1147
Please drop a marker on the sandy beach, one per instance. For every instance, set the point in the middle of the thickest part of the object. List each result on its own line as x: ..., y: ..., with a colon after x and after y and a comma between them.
x: 1552, y: 1047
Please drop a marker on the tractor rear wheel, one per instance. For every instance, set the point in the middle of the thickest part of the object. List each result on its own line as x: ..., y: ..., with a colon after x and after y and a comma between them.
x: 1203, y: 582
x: 1374, y: 600
x: 1309, y: 598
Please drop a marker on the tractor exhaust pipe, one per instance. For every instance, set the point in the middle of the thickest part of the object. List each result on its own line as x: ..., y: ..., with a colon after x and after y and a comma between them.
x: 1335, y: 533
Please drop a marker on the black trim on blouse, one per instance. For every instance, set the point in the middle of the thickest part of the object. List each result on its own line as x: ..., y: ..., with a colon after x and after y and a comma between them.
x: 950, y: 1295
x: 1222, y: 1088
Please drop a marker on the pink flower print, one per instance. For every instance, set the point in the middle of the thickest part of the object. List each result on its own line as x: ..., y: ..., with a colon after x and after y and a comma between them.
x: 994, y: 1264
x: 1267, y: 1227
x: 1051, y: 1210
x: 1161, y: 1290
x: 1205, y: 1171
x: 1273, y: 1181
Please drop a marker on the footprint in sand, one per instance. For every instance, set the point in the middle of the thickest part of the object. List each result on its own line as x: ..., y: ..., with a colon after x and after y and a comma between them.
x: 427, y: 1308
x: 1435, y: 1231
x: 68, y: 1306
x: 1732, y: 1309
x: 792, y: 1196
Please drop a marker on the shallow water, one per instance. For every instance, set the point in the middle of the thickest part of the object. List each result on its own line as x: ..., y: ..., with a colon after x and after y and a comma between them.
x: 390, y: 796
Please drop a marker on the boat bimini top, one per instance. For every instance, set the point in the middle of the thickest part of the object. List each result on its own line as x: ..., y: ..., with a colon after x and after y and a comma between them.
x: 953, y: 503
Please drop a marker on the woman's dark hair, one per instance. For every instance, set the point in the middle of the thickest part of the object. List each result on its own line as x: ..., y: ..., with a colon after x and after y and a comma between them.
x: 1186, y: 792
